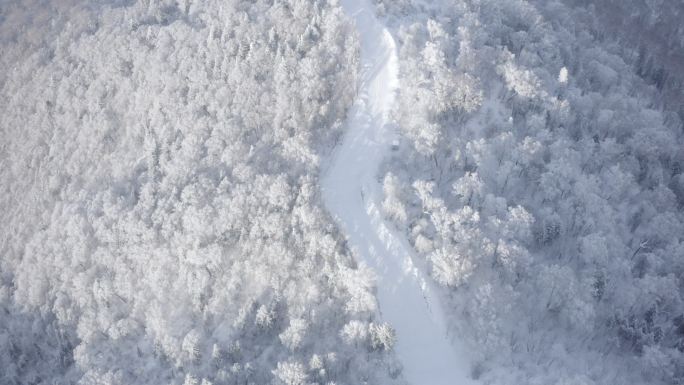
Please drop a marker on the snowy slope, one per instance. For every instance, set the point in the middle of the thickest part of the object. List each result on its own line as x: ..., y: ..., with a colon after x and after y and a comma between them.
x: 352, y: 194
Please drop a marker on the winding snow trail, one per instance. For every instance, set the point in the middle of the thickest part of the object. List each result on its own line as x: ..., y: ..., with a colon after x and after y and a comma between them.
x: 352, y: 193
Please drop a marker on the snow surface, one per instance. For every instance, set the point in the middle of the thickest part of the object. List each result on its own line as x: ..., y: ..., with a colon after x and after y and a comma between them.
x: 352, y: 193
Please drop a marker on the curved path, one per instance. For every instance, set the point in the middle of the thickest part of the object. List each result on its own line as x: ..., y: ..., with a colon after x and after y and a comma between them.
x: 351, y: 192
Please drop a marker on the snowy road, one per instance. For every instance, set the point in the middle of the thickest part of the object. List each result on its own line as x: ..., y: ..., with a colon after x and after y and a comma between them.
x: 352, y: 194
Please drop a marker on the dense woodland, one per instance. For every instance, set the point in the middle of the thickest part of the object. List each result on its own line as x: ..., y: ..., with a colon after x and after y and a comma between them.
x: 161, y: 216
x: 161, y: 219
x: 541, y: 178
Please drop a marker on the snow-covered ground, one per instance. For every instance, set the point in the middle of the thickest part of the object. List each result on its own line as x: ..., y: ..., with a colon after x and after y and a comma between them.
x: 352, y: 193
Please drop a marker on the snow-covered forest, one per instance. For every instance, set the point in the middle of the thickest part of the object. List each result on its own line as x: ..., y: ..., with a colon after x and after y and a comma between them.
x: 298, y: 192
x: 161, y: 221
x: 541, y: 178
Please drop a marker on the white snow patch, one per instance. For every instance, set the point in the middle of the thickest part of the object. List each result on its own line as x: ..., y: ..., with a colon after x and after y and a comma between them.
x: 563, y: 75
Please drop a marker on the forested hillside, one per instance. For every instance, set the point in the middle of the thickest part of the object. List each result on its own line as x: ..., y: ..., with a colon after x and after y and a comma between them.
x: 540, y: 176
x: 161, y: 219
x: 281, y: 192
